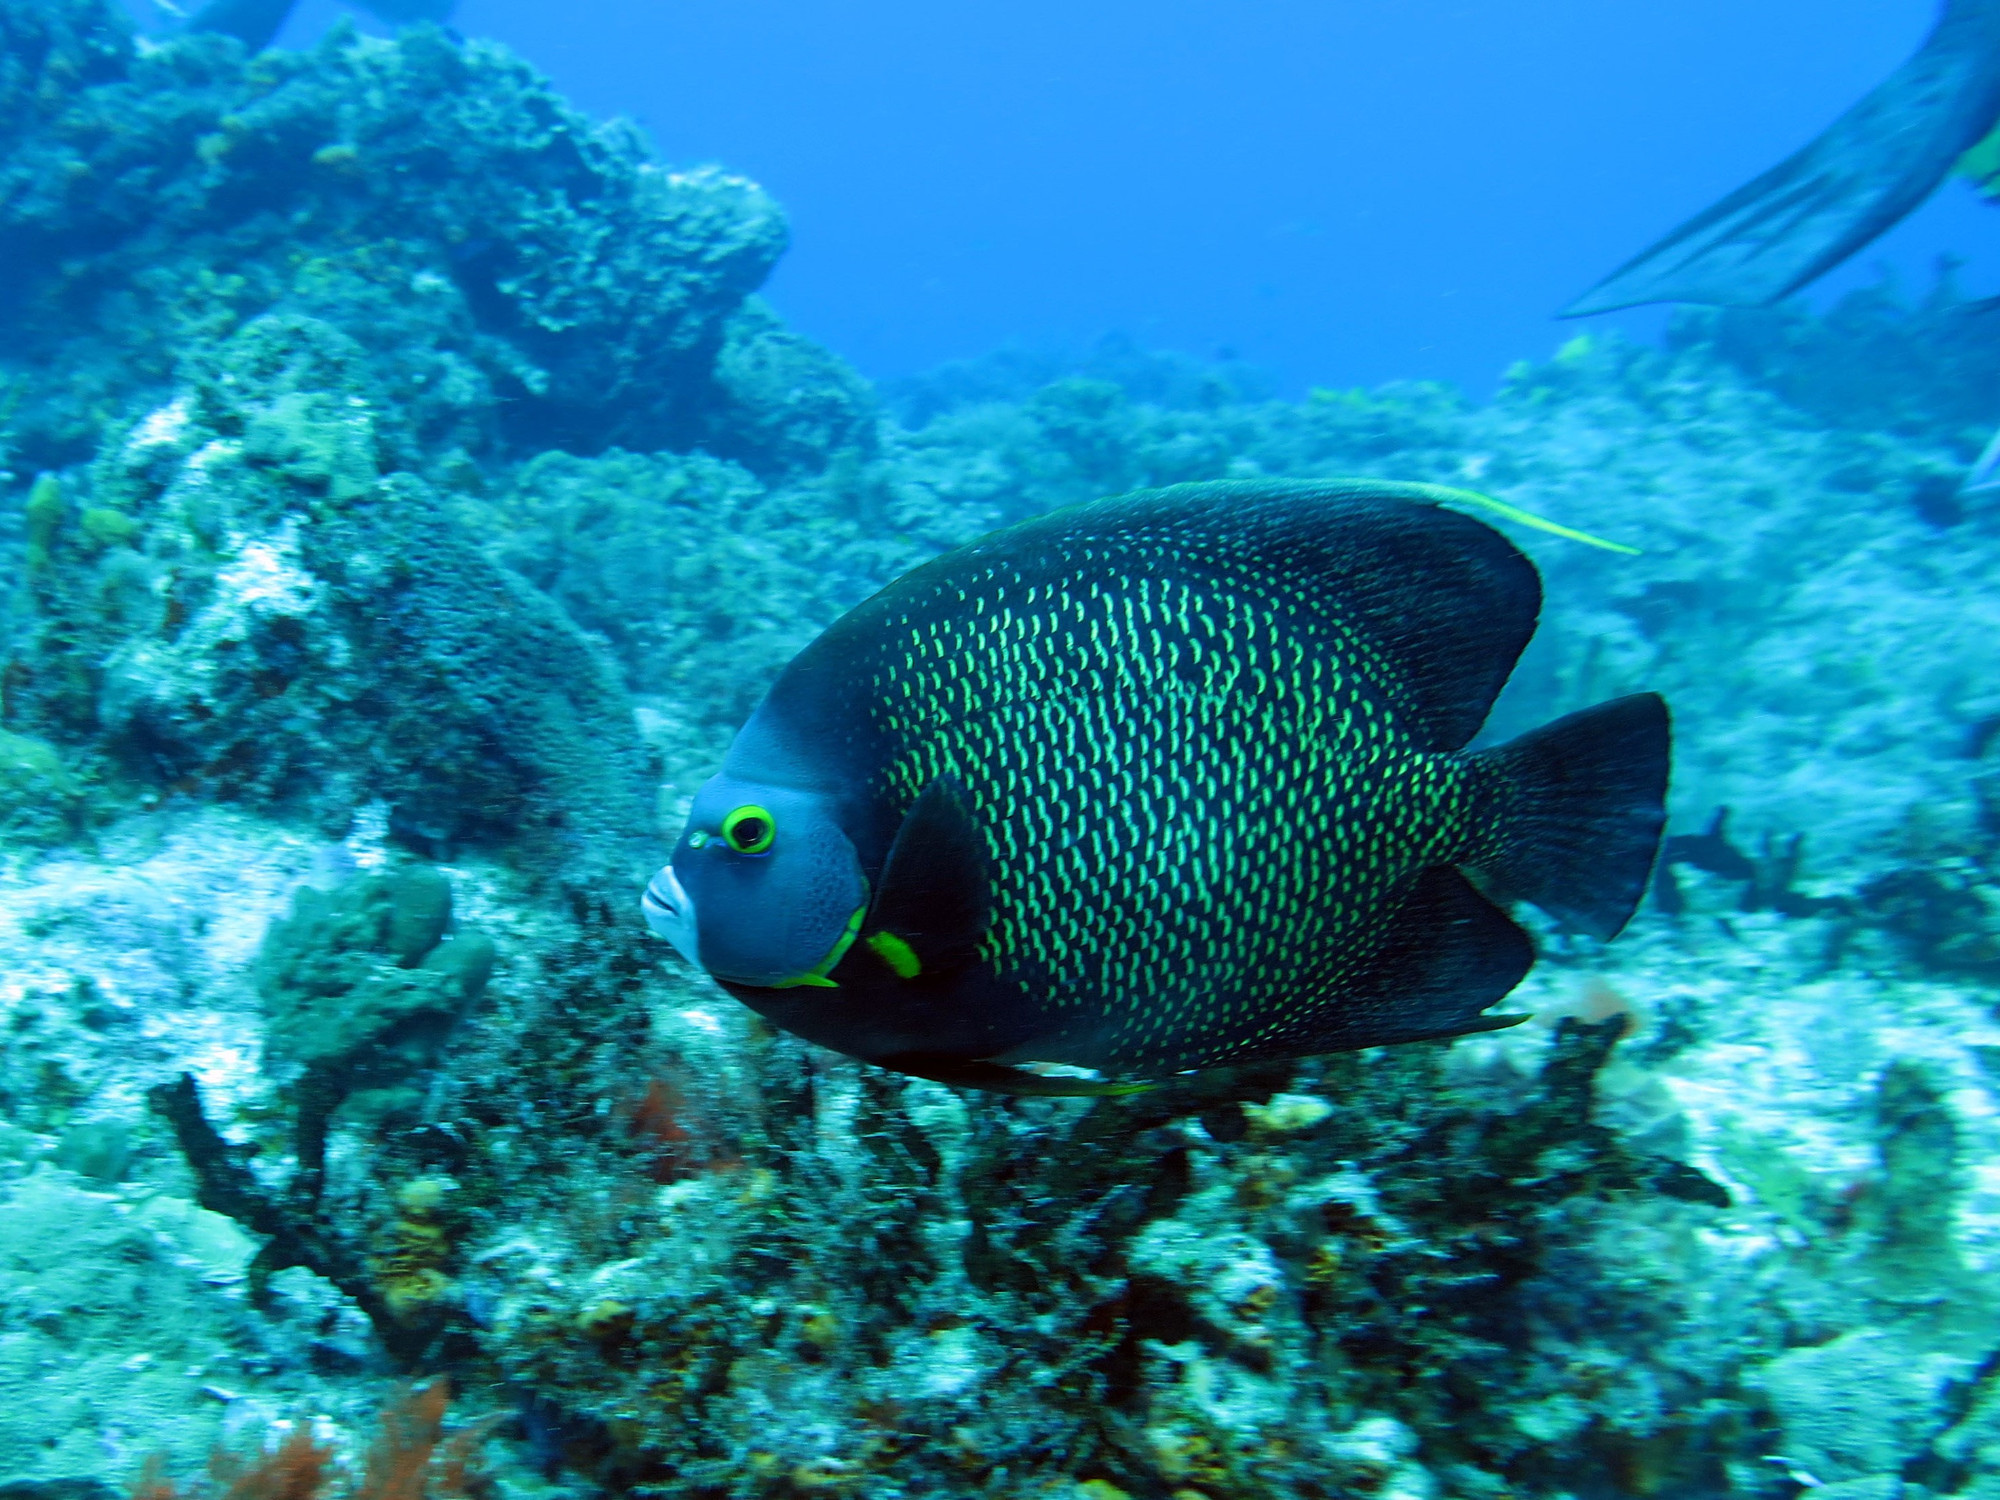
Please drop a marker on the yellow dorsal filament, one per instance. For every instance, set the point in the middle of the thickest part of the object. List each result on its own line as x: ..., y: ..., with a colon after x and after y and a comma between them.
x: 1448, y: 493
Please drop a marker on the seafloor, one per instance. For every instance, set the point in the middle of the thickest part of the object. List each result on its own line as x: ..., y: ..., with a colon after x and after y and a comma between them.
x: 405, y: 497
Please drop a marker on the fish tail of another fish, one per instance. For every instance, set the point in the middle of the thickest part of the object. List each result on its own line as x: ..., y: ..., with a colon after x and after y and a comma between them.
x: 1868, y: 169
x: 1584, y: 801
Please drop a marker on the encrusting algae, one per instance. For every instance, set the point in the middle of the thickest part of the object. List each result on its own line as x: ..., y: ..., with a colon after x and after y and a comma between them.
x: 411, y: 1459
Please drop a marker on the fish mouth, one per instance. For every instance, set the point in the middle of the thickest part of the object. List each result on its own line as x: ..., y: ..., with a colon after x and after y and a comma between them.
x: 669, y: 911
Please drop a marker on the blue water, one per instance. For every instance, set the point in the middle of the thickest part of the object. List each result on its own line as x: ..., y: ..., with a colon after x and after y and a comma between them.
x: 1340, y: 191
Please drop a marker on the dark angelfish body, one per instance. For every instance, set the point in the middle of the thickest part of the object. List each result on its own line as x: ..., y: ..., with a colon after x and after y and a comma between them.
x: 1806, y: 215
x: 1162, y: 782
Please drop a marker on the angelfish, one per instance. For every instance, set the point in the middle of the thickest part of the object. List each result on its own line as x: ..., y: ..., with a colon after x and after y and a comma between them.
x: 1161, y: 782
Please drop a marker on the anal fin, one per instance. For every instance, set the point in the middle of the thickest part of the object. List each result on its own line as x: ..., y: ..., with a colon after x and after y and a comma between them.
x: 1448, y: 955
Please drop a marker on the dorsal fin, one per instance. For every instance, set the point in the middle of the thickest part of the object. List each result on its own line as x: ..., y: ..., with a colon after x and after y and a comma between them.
x: 1448, y: 600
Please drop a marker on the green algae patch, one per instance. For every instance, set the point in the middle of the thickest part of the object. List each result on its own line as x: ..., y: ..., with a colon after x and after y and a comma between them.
x: 322, y: 441
x: 103, y: 528
x: 42, y: 521
x: 41, y: 802
x: 361, y: 982
x: 419, y: 913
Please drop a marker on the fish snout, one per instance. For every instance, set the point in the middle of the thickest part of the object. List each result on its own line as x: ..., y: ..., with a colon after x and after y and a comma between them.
x: 669, y: 911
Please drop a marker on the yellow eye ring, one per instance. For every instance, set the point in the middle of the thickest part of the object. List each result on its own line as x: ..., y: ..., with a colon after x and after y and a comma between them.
x: 749, y: 829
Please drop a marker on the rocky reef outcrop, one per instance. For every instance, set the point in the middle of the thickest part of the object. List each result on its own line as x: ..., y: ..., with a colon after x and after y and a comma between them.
x: 514, y: 276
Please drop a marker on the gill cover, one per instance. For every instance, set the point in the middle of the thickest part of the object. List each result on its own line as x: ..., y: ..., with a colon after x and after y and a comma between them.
x: 765, y: 887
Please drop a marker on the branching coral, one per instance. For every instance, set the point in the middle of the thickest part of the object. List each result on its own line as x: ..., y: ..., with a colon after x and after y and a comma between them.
x: 362, y: 986
x: 294, y: 1233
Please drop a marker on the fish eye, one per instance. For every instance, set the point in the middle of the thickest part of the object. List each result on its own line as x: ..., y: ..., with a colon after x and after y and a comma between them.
x: 749, y: 829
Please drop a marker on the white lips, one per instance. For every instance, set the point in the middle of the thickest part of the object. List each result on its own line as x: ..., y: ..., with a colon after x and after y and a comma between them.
x: 670, y: 913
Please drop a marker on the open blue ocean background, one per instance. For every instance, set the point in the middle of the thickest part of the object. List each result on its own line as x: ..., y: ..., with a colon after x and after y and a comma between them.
x: 428, y: 432
x: 1338, y: 194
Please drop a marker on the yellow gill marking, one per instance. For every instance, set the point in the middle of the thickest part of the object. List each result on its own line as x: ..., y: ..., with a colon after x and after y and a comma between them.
x: 815, y: 977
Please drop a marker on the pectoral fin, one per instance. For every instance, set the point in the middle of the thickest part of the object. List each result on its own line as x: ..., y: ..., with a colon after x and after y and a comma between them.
x: 935, y: 899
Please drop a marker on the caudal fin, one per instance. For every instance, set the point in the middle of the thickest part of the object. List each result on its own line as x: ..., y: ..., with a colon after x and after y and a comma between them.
x: 1585, y: 799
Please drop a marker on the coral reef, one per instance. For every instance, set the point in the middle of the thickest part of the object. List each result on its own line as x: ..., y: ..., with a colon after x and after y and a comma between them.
x: 509, y: 272
x: 271, y: 620
x: 403, y: 494
x: 40, y: 801
x: 1874, y: 363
